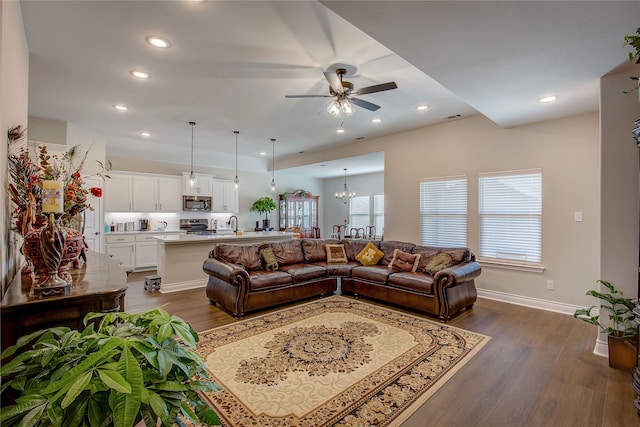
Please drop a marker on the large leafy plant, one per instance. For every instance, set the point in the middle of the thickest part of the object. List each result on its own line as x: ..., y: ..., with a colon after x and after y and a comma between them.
x: 620, y: 311
x: 120, y: 370
x: 264, y: 205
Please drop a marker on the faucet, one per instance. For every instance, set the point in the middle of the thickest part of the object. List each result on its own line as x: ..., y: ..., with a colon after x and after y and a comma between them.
x: 235, y: 223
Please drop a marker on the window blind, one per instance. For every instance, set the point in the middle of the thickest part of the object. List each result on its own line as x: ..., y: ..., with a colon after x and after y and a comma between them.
x: 443, y: 212
x: 359, y: 212
x: 378, y: 213
x: 510, y: 209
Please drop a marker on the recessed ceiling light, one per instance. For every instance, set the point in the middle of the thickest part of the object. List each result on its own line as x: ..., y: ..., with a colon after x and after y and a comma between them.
x: 422, y: 107
x: 121, y: 107
x: 140, y: 74
x: 158, y: 42
x: 340, y: 130
x: 145, y: 134
x: 547, y: 99
x: 262, y: 154
x: 376, y: 120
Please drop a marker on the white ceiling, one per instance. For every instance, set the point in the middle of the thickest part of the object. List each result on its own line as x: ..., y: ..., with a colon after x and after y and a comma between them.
x: 231, y: 63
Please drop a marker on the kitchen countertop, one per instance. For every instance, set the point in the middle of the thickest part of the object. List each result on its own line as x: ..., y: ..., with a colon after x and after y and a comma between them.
x: 120, y: 233
x: 224, y: 238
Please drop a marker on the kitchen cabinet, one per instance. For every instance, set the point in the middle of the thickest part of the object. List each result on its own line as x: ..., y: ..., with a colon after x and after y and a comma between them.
x: 135, y: 251
x: 156, y: 194
x: 122, y: 248
x: 118, y: 193
x: 202, y: 185
x: 224, y: 196
x: 299, y: 209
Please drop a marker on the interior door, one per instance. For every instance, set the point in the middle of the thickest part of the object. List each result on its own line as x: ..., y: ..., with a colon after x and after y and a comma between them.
x: 92, y: 218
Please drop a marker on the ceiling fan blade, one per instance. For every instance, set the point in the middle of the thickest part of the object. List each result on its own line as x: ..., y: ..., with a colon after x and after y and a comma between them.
x: 334, y: 81
x: 364, y: 104
x: 376, y: 88
x: 308, y: 96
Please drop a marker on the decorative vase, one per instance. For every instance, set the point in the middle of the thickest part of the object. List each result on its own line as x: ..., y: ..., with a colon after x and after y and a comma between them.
x: 32, y: 250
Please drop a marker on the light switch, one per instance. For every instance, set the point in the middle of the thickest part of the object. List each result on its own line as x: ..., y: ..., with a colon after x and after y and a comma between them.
x: 577, y: 216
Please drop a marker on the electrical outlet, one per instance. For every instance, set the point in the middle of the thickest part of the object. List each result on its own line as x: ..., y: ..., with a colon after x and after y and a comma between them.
x: 551, y: 285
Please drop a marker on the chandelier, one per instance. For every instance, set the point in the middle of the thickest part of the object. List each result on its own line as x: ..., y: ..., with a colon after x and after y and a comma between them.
x: 345, y: 196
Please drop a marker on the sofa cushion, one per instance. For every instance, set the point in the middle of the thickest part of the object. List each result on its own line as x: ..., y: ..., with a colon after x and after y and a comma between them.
x: 246, y: 255
x: 373, y: 273
x: 304, y: 272
x: 354, y: 246
x: 388, y: 246
x: 288, y: 252
x: 314, y: 250
x: 340, y: 270
x: 370, y: 255
x: 438, y: 262
x: 403, y: 261
x: 260, y: 280
x: 417, y: 281
x: 458, y: 254
x: 269, y: 258
x: 336, y: 254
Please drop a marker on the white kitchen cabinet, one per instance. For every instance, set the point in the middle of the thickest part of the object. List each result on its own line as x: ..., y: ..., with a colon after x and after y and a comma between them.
x: 122, y: 248
x: 146, y: 251
x: 156, y: 194
x: 201, y: 186
x: 224, y: 196
x: 118, y: 193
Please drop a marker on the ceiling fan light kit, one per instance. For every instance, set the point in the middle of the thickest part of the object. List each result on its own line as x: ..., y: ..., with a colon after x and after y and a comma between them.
x: 344, y: 92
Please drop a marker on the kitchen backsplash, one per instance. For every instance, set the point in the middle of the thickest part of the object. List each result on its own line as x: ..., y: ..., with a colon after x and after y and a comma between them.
x: 157, y: 220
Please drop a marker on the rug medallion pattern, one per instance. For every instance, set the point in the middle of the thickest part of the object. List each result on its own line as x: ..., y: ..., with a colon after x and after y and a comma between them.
x: 331, y: 362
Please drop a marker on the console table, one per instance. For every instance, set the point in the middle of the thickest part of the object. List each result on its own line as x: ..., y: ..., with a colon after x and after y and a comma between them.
x: 98, y: 286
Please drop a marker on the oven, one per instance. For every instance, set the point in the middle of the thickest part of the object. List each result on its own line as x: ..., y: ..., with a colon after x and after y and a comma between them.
x: 196, y: 226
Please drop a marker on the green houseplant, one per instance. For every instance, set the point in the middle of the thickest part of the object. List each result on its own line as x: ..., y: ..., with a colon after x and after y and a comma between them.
x: 264, y: 205
x: 120, y: 370
x: 623, y: 332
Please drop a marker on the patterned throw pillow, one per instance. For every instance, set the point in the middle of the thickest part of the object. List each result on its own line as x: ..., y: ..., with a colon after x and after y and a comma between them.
x: 403, y: 261
x: 336, y: 254
x: 269, y: 258
x: 438, y: 262
x: 370, y: 255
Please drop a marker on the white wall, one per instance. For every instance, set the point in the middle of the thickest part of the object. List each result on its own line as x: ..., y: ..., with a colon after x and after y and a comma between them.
x: 14, y: 95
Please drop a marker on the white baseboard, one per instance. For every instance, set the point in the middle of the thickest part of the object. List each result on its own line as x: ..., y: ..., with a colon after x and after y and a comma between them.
x: 601, y: 348
x: 182, y: 286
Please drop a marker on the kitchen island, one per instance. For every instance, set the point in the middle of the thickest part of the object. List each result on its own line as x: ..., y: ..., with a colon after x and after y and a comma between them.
x: 180, y: 257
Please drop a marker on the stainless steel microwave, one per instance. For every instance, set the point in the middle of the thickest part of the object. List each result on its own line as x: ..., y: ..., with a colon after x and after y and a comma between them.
x: 196, y: 204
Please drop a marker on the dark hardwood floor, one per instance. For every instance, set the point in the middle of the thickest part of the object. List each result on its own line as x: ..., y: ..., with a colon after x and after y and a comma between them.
x: 538, y: 369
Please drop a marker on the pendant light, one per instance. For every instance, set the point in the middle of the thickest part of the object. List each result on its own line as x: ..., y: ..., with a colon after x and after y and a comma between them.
x: 345, y: 196
x: 273, y: 165
x: 236, y: 181
x: 192, y: 177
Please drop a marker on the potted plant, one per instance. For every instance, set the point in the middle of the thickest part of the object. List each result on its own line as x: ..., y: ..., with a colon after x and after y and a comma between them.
x: 623, y: 332
x: 120, y: 370
x: 264, y: 205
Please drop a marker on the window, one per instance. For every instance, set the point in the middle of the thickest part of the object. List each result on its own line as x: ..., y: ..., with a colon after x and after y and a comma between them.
x: 359, y: 212
x: 443, y: 212
x: 510, y: 208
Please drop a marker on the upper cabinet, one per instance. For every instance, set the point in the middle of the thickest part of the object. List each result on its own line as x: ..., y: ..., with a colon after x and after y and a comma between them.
x: 118, y: 193
x: 156, y: 194
x: 200, y: 186
x: 143, y: 193
x: 224, y: 196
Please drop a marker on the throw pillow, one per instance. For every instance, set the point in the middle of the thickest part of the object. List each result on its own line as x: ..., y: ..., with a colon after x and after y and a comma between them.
x: 440, y: 261
x: 370, y: 255
x: 336, y: 254
x: 269, y: 258
x: 403, y: 261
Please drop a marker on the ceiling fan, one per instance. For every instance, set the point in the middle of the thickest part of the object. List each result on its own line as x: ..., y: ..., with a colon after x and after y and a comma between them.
x: 344, y: 93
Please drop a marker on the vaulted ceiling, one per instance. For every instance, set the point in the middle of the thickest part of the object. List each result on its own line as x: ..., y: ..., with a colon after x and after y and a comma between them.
x: 231, y: 64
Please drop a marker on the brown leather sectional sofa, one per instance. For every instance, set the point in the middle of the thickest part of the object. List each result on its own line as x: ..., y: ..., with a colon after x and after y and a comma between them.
x: 240, y: 283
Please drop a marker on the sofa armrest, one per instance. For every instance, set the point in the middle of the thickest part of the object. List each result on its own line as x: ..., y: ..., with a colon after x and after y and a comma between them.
x: 230, y: 273
x: 459, y: 273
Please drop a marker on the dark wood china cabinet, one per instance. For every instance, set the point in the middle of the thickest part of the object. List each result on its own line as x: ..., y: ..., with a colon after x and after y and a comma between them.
x: 299, y: 209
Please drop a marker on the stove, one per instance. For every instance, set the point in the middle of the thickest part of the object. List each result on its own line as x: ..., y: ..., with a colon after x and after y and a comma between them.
x: 199, y: 226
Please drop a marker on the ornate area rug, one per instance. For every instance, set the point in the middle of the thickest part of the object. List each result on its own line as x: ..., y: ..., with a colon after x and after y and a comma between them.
x: 331, y: 362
